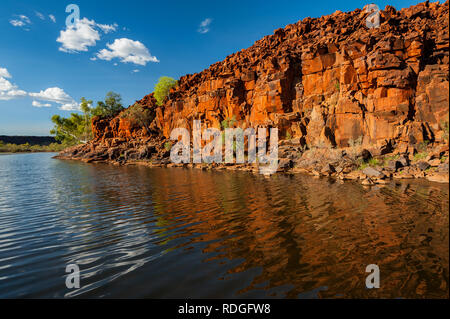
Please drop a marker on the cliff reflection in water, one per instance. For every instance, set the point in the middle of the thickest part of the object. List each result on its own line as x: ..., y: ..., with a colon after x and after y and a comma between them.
x: 312, y: 238
x: 141, y: 232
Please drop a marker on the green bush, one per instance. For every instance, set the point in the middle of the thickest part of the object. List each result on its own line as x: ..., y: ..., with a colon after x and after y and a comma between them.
x: 337, y: 85
x: 420, y: 156
x: 228, y: 122
x: 77, y: 129
x: 370, y: 163
x: 288, y: 136
x: 422, y: 147
x: 141, y: 115
x: 373, y: 162
x: 18, y: 148
x: 168, y: 146
x: 162, y: 88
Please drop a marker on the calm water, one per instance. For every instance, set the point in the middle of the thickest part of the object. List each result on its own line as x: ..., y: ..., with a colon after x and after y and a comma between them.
x: 165, y: 233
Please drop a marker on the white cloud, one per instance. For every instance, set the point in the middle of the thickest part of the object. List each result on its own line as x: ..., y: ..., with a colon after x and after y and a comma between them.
x: 4, y: 73
x: 106, y: 28
x: 74, y: 106
x: 79, y: 37
x: 83, y: 35
x: 17, y: 23
x: 128, y: 51
x: 12, y: 94
x: 5, y: 85
x: 57, y: 95
x: 52, y: 17
x: 22, y: 21
x: 40, y: 15
x: 24, y: 18
x: 204, y: 26
x: 135, y: 71
x: 9, y: 91
x: 39, y: 104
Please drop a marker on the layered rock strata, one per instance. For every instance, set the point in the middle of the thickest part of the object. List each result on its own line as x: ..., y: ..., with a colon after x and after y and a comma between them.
x: 328, y: 82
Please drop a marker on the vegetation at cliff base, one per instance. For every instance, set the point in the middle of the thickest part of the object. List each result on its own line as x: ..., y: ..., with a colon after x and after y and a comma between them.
x: 162, y: 88
x: 77, y: 129
x: 17, y: 148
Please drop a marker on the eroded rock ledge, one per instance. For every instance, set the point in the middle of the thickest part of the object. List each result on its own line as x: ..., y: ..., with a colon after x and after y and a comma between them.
x: 335, y: 89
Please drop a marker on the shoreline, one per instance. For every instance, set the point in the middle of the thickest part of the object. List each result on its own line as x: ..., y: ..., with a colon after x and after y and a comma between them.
x: 28, y: 152
x: 340, y: 164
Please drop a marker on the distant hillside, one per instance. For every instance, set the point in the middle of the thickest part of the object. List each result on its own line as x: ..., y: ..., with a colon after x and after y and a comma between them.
x: 32, y: 140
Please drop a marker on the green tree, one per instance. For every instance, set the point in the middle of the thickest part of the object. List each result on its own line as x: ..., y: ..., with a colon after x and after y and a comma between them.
x: 71, y: 130
x: 140, y: 115
x: 77, y: 128
x: 110, y: 107
x: 87, y: 114
x: 163, y: 87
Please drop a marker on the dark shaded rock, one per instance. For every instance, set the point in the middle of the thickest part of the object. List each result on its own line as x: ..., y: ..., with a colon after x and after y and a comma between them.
x: 386, y: 148
x: 131, y: 154
x: 394, y: 165
x: 284, y: 163
x: 422, y: 165
x: 403, y: 160
x: 365, y: 155
x: 146, y: 152
x: 114, y: 153
x: 328, y: 169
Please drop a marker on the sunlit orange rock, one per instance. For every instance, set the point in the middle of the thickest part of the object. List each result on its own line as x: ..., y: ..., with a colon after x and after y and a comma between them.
x: 327, y: 79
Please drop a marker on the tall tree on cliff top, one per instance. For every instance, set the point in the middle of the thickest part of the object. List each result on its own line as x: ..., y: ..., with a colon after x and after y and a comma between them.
x: 111, y: 107
x: 162, y: 88
x: 77, y: 128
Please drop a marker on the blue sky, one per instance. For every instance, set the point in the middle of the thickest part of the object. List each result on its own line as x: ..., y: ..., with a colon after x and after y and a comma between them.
x: 124, y: 46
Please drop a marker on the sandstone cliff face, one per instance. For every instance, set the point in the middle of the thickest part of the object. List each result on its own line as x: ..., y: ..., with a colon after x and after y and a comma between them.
x: 329, y: 80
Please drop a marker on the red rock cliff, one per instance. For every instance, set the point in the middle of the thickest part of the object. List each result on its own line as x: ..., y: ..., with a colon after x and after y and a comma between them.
x: 324, y: 80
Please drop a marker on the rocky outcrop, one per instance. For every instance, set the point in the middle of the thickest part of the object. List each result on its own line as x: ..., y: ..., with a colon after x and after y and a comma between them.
x: 326, y: 81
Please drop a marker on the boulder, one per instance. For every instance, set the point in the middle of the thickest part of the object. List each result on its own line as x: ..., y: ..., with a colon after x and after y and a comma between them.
x: 367, y: 182
x: 328, y: 169
x: 403, y: 160
x: 438, y: 177
x: 372, y: 172
x: 422, y: 165
x: 284, y: 164
x: 394, y: 165
x: 365, y: 155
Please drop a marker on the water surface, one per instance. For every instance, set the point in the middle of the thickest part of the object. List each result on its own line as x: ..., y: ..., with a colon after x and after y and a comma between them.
x: 186, y: 233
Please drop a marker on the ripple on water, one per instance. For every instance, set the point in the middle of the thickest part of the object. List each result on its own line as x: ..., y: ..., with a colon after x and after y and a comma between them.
x: 141, y: 232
